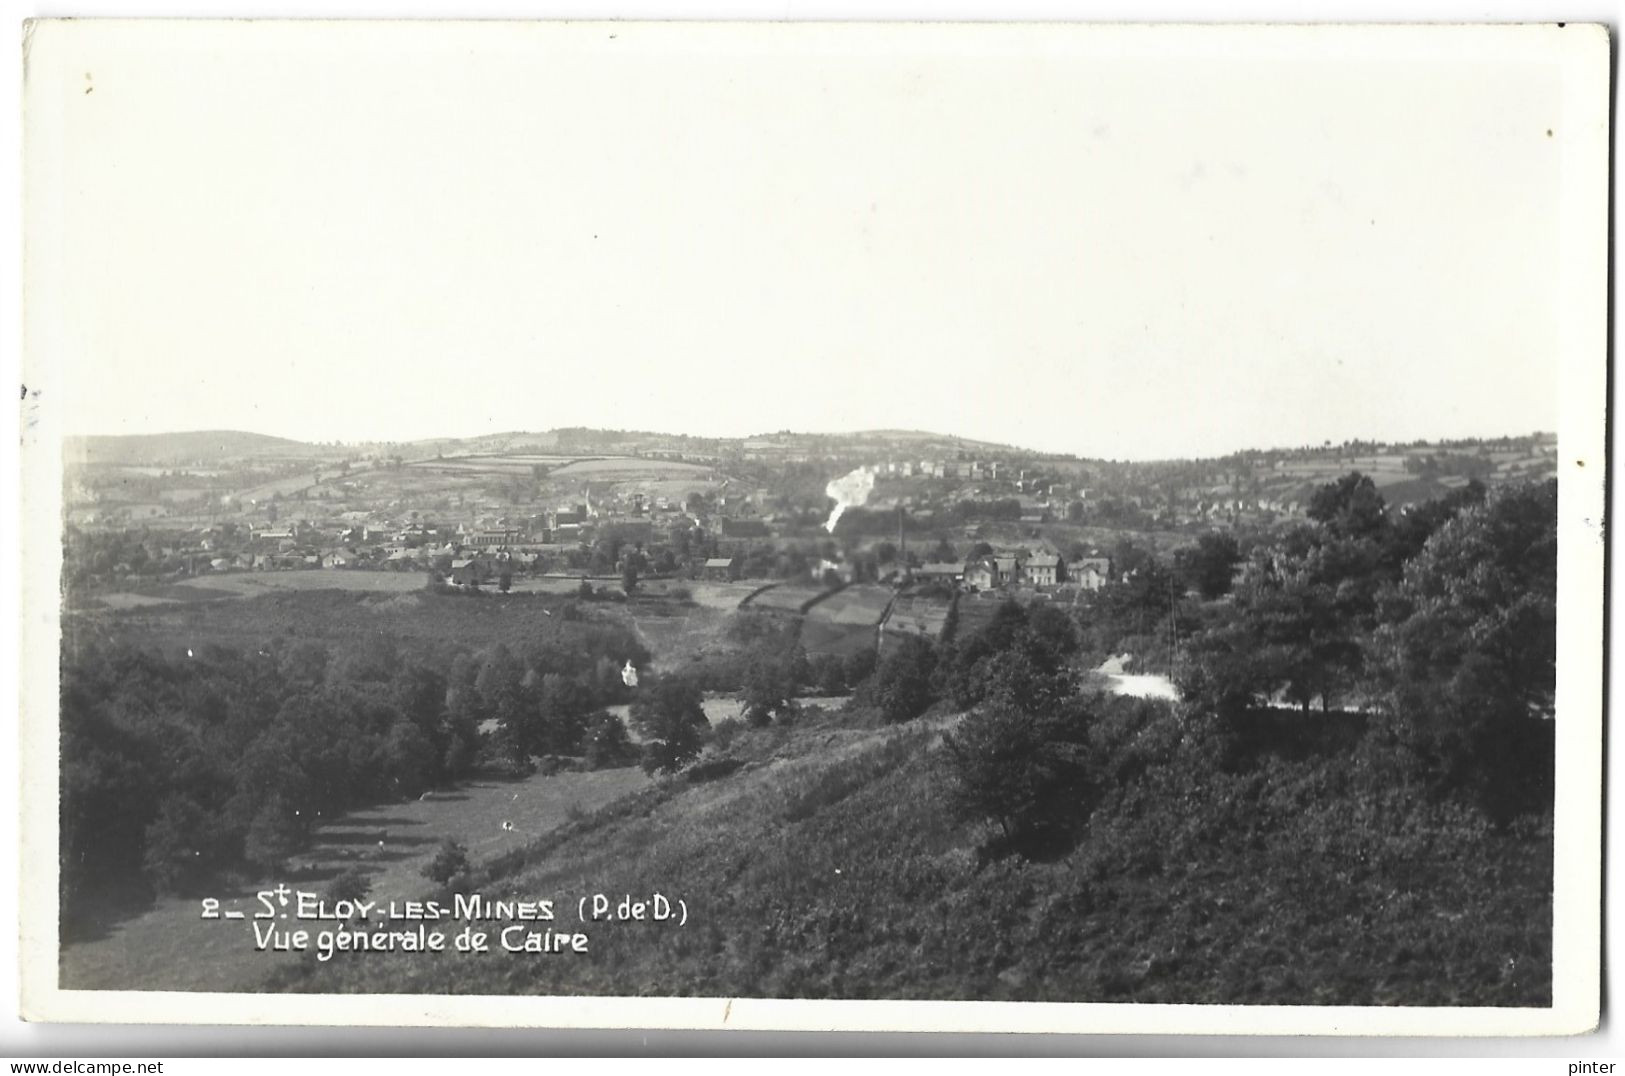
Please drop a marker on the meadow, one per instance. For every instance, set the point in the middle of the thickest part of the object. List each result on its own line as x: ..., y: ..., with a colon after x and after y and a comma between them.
x: 415, y: 619
x: 844, y: 623
x: 165, y: 947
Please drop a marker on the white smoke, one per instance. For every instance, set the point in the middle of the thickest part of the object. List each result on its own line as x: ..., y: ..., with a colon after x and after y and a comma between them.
x: 849, y: 491
x: 629, y: 675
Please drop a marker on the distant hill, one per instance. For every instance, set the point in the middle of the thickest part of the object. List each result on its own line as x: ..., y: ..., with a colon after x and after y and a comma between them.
x: 200, y: 447
x: 1409, y: 472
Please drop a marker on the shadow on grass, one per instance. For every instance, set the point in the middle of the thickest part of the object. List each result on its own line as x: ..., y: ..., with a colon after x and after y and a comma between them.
x: 367, y: 838
x: 360, y: 819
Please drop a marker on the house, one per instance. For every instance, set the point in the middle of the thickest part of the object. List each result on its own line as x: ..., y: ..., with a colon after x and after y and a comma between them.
x: 576, y: 514
x: 722, y: 569
x: 466, y: 573
x: 338, y: 558
x: 981, y: 574
x: 1007, y: 570
x: 1090, y: 573
x: 948, y: 571
x: 1043, y: 570
x: 491, y: 539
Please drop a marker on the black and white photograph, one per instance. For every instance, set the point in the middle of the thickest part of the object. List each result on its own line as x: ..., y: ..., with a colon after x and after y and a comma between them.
x: 897, y: 526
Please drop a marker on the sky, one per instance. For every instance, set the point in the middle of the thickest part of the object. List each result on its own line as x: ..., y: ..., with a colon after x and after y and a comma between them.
x: 1119, y: 243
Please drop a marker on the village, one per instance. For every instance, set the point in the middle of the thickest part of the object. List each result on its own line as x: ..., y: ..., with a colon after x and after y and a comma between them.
x: 963, y: 516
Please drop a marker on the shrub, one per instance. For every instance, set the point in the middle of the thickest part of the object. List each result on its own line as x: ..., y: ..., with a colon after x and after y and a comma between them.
x: 672, y: 754
x: 724, y: 731
x: 274, y: 835
x: 353, y: 884
x: 450, y: 862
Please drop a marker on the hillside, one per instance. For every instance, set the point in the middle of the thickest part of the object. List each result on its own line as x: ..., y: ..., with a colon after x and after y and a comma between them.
x: 197, y: 448
x: 825, y: 860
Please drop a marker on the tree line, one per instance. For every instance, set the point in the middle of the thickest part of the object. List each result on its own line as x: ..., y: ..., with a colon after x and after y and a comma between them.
x: 176, y: 769
x: 1433, y: 628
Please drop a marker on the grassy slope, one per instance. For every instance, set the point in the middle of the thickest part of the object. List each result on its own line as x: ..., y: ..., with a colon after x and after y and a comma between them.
x: 830, y: 866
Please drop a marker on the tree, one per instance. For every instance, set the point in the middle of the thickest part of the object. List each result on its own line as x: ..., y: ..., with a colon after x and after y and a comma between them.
x: 629, y: 574
x: 1466, y: 663
x: 274, y: 835
x: 671, y: 714
x: 1351, y: 507
x: 505, y: 580
x: 1029, y: 772
x: 605, y: 743
x: 1302, y: 614
x: 770, y: 687
x: 1210, y: 565
x: 178, y: 845
x: 1223, y: 668
x: 1416, y: 523
x: 902, y: 685
x: 500, y: 684
x: 562, y: 706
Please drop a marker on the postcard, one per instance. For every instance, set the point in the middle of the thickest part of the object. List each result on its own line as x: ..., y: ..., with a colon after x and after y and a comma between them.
x: 1000, y: 527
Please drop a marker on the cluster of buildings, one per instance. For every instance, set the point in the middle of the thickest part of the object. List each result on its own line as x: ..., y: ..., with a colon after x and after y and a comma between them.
x: 1043, y: 570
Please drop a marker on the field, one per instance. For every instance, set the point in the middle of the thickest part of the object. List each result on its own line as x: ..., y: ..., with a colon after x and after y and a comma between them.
x: 783, y: 598
x: 709, y: 595
x: 677, y: 635
x: 168, y: 948
x: 155, y: 594
x: 250, y: 584
x: 597, y: 468
x: 430, y: 625
x: 917, y: 616
x: 310, y: 606
x: 844, y: 623
x: 975, y: 612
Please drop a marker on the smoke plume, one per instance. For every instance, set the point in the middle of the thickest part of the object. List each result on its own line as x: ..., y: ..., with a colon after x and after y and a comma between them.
x: 849, y: 491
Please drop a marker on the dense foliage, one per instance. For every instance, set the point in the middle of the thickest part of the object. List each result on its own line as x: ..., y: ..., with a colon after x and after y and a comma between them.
x: 176, y: 768
x: 1269, y: 862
